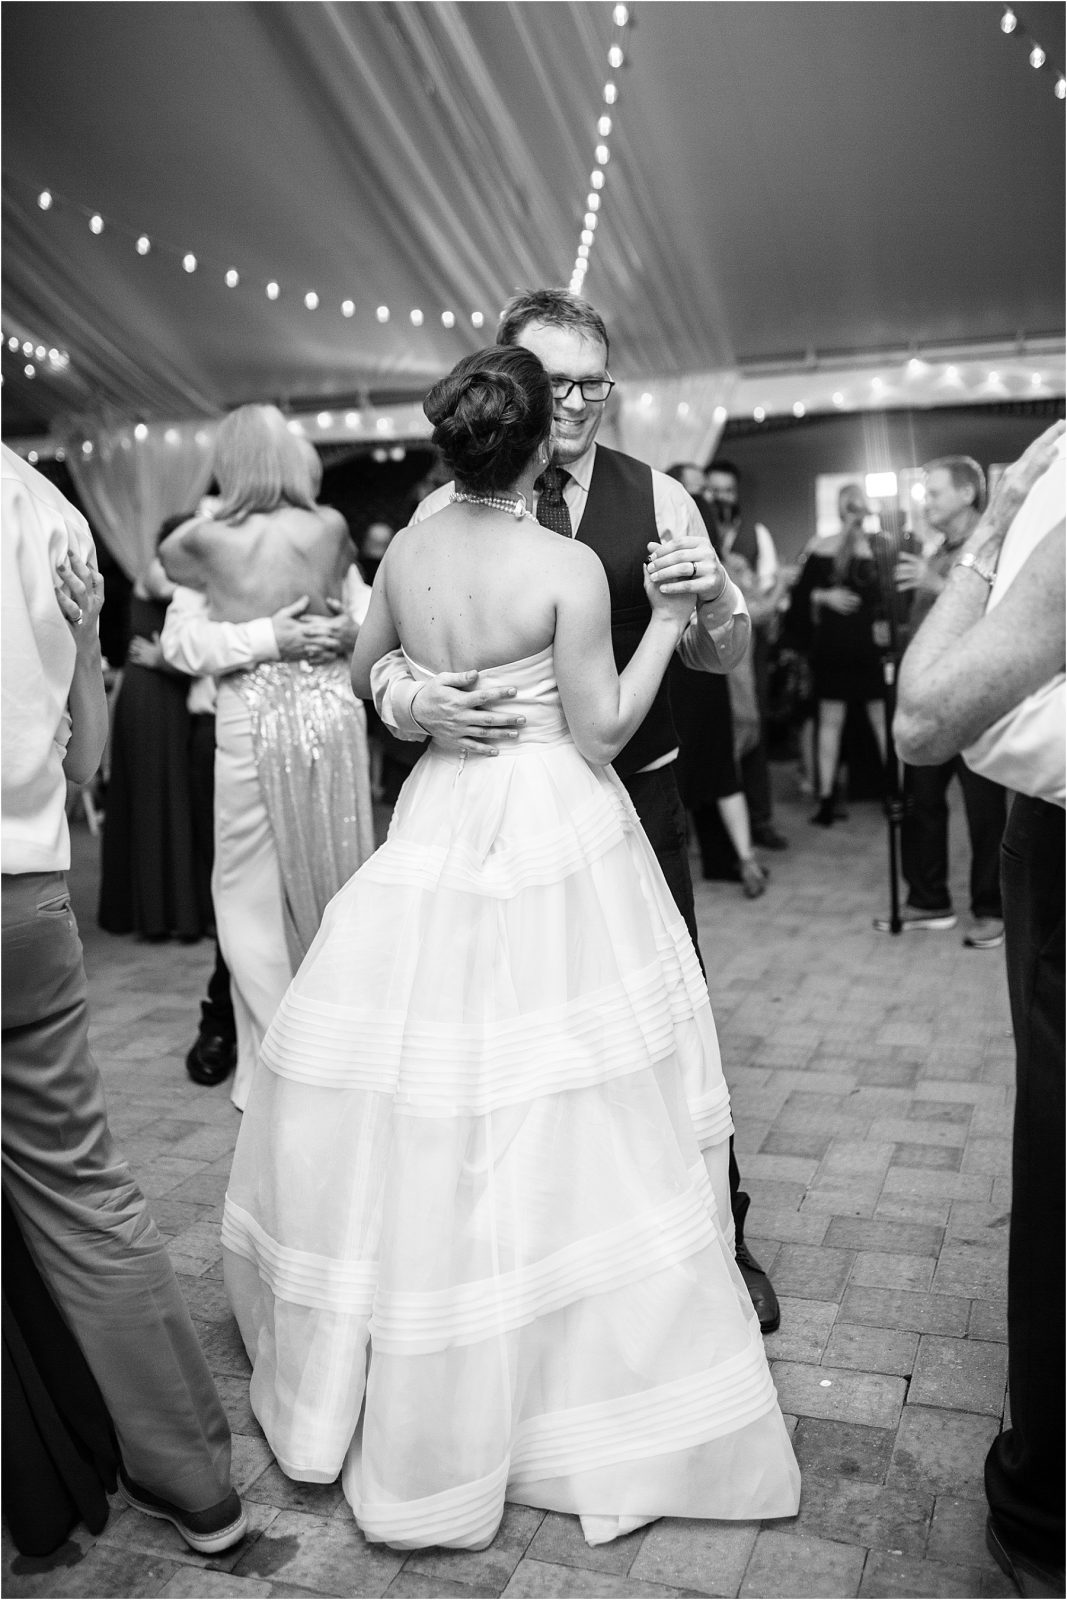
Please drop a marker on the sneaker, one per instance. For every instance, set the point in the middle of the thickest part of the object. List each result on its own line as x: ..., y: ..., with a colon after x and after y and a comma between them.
x: 208, y: 1532
x: 912, y: 918
x: 985, y: 933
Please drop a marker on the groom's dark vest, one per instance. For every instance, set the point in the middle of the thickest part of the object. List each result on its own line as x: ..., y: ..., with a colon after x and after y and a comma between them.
x: 619, y: 522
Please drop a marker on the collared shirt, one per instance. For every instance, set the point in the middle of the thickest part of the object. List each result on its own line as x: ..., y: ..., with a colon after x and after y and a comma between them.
x: 767, y: 564
x: 1026, y: 750
x: 38, y: 654
x: 715, y: 641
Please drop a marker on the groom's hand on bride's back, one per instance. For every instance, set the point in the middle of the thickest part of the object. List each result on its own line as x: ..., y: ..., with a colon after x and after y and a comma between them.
x: 462, y: 714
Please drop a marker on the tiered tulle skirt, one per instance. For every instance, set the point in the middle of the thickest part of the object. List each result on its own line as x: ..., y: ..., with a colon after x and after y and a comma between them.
x: 478, y: 1233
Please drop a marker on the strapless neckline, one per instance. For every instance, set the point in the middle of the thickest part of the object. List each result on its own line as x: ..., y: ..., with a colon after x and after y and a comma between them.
x: 503, y: 666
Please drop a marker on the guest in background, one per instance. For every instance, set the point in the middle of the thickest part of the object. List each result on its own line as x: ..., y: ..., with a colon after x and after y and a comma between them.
x: 984, y: 677
x: 372, y: 547
x: 752, y: 544
x: 293, y: 816
x: 149, y: 880
x: 955, y: 495
x: 835, y: 606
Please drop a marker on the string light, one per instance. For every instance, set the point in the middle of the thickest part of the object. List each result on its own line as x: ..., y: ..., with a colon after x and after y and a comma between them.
x: 30, y: 370
x: 611, y: 94
x: 190, y: 261
x: 1038, y: 56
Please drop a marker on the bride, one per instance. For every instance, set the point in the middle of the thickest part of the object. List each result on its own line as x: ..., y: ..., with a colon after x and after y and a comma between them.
x: 478, y: 1235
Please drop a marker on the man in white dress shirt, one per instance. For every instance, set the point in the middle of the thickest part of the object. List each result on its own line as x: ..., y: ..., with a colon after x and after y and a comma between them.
x: 83, y: 1217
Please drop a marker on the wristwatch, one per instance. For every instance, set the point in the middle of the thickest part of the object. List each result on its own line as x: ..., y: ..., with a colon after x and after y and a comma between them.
x: 973, y: 563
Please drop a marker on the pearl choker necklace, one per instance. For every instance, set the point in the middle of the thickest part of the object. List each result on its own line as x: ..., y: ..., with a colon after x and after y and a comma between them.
x: 516, y: 508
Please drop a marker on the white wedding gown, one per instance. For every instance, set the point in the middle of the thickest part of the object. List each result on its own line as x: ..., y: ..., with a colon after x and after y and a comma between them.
x: 478, y: 1233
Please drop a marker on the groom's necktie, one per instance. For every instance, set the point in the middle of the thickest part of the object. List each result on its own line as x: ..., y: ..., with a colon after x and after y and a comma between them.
x: 552, y: 509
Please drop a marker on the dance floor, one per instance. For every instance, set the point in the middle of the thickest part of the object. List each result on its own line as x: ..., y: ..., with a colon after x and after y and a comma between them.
x: 871, y: 1082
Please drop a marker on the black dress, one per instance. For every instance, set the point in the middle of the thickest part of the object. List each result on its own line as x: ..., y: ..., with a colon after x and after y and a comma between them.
x: 845, y: 661
x: 149, y: 879
x: 59, y: 1451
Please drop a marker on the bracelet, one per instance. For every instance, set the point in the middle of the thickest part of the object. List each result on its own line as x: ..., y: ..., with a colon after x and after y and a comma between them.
x: 411, y: 711
x: 971, y: 564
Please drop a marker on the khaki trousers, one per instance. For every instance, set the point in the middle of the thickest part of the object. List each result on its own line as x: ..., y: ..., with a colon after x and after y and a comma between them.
x: 84, y: 1218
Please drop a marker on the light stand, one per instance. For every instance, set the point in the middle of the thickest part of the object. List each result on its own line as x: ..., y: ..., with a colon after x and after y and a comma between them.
x: 887, y: 629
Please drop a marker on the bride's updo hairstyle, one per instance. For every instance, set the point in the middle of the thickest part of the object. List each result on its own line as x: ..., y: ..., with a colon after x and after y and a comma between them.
x: 489, y: 416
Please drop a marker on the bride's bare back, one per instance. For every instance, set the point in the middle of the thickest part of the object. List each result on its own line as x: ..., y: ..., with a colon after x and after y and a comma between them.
x: 475, y: 590
x: 254, y: 567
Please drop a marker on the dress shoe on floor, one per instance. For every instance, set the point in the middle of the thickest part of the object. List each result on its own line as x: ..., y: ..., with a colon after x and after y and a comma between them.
x: 212, y: 1059
x: 759, y: 1285
x: 753, y: 879
x: 768, y: 837
x: 1028, y: 1576
x: 218, y: 1528
x: 984, y: 933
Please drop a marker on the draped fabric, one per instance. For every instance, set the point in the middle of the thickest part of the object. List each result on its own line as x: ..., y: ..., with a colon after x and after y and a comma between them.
x: 129, y: 486
x: 437, y: 157
x: 664, y: 420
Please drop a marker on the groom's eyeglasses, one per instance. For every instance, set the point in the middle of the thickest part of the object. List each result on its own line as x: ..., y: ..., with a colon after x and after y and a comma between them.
x: 591, y: 388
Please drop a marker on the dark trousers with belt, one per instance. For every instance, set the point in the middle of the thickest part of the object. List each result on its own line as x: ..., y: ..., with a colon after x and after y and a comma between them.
x: 1024, y: 1471
x: 924, y: 836
x: 216, y: 1011
x: 658, y: 803
x: 85, y: 1219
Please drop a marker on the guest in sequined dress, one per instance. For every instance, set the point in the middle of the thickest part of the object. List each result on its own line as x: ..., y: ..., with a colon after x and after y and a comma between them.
x: 293, y: 816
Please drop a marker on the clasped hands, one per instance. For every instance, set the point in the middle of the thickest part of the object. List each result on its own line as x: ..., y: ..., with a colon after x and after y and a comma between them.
x: 313, y: 639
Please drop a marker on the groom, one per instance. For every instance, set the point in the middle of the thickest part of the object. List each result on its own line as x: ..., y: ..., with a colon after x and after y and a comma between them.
x: 618, y: 506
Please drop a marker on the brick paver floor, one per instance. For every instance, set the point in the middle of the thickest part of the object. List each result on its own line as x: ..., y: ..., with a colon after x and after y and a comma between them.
x: 871, y: 1081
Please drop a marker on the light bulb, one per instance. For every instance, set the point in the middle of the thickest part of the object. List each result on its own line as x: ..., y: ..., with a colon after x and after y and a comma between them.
x: 233, y: 278
x: 603, y: 154
x: 838, y: 398
x: 620, y: 16
x: 416, y: 318
x: 448, y: 319
x: 597, y: 179
x: 603, y: 127
x: 189, y: 262
x: 799, y: 408
x: 27, y: 348
x: 30, y: 370
x: 592, y: 200
x: 611, y: 93
x: 140, y: 433
x: 583, y: 252
x: 325, y: 419
x: 87, y: 447
x: 477, y: 319
x: 12, y: 343
x: 1037, y: 57
x: 587, y: 236
x: 1008, y: 21
x: 353, y: 419
x: 311, y: 300
x: 96, y: 224
x: 31, y: 457
x: 273, y: 290
x: 590, y: 219
x: 40, y: 352
x: 720, y: 415
x: 348, y: 308
x: 44, y: 200
x: 144, y: 244
x: 759, y: 414
x: 615, y: 56
x: 1061, y: 88
x: 382, y: 313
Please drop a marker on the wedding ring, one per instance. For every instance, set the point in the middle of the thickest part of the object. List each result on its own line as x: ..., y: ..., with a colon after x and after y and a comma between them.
x: 694, y: 567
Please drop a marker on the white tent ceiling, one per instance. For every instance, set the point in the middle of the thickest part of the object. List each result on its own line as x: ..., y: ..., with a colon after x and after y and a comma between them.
x: 790, y: 186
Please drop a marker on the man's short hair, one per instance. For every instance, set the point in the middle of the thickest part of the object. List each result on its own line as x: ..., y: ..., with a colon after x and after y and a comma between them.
x: 719, y: 465
x: 965, y: 474
x: 557, y: 308
x: 677, y: 469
